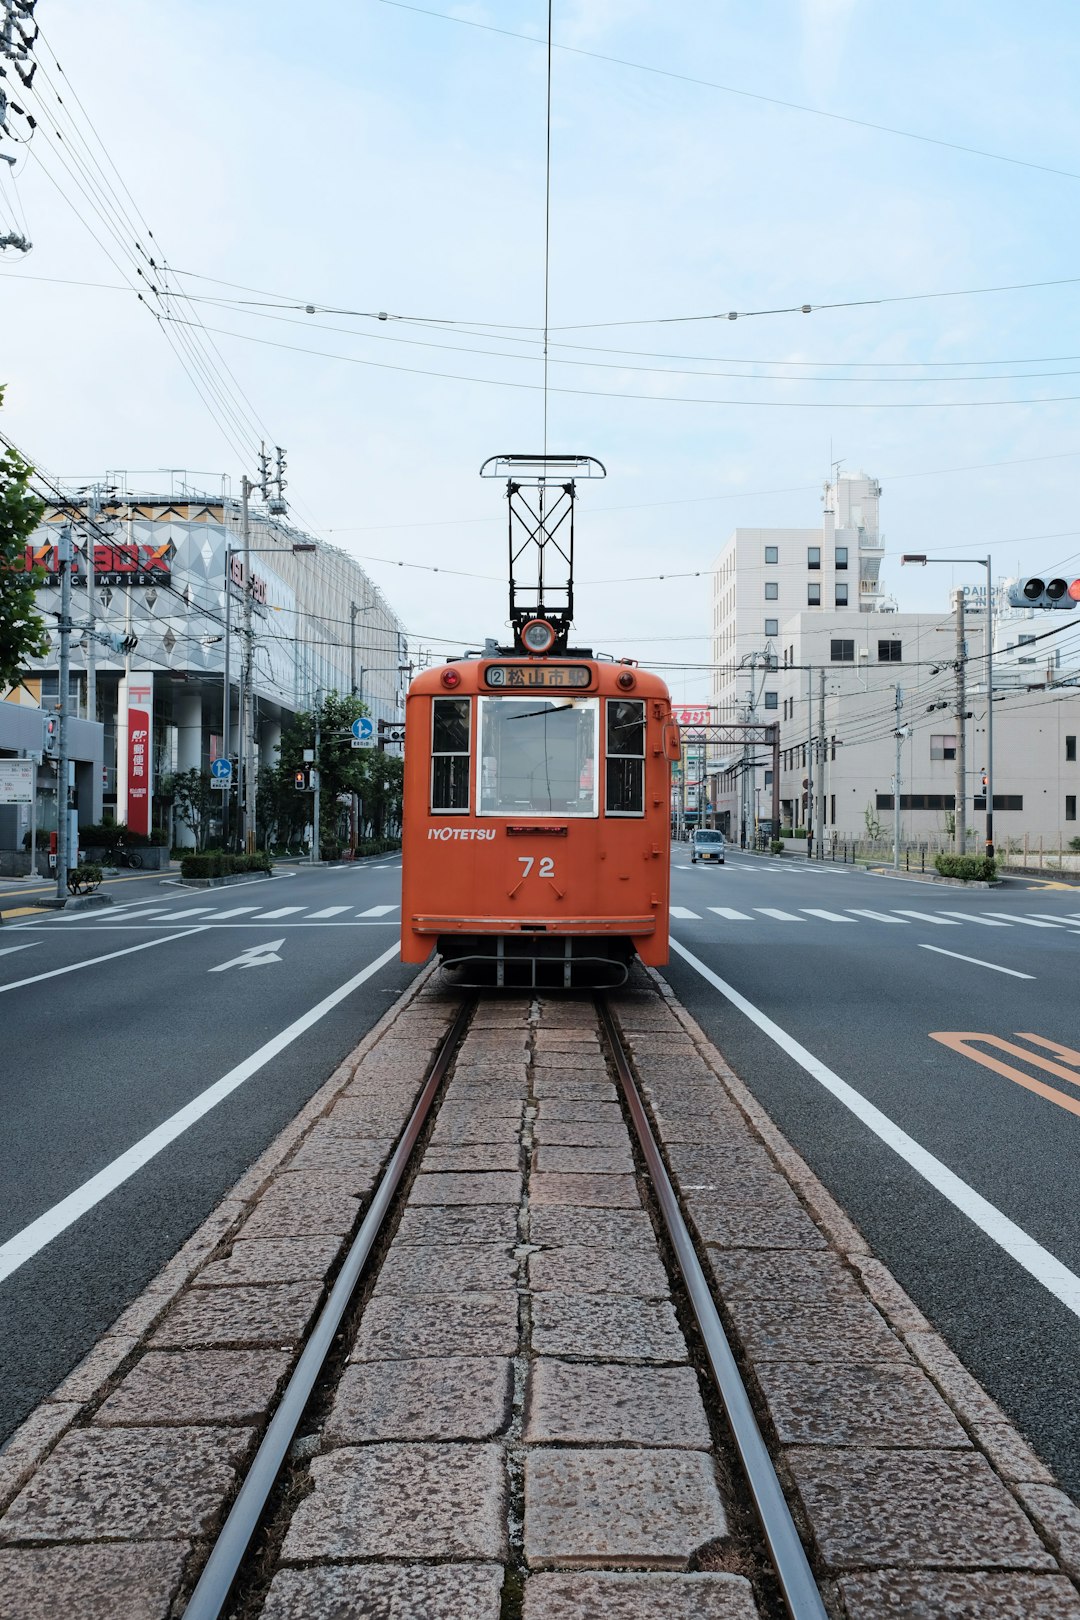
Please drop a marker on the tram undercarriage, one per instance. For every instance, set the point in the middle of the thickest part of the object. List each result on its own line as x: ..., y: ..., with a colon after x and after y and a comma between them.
x: 533, y: 962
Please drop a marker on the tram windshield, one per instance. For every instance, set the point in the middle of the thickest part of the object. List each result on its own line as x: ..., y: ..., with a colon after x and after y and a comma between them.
x: 538, y: 756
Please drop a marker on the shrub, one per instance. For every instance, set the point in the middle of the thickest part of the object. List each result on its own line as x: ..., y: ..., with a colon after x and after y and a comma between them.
x: 219, y: 863
x: 776, y: 846
x: 969, y: 868
x: 1074, y: 844
x: 800, y: 832
x: 785, y: 832
x: 85, y: 878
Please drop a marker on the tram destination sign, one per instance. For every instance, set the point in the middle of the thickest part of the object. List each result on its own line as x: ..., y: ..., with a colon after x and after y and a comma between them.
x: 528, y: 677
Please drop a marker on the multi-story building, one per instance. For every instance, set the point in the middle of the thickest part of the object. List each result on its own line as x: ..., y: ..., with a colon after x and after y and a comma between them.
x: 155, y: 566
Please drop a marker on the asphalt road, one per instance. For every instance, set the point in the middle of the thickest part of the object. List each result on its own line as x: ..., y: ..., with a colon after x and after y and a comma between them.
x: 931, y: 1152
x: 115, y: 1019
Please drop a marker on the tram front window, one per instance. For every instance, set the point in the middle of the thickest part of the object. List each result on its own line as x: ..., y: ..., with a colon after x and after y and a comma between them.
x: 538, y: 756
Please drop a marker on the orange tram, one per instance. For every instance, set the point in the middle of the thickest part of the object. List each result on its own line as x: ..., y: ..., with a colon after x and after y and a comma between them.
x: 537, y: 823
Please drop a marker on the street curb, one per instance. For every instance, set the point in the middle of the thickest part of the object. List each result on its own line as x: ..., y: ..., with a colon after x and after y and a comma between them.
x: 223, y: 882
x: 927, y: 877
x: 66, y: 1406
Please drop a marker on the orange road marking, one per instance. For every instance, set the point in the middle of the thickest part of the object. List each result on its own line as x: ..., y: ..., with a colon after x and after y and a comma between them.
x: 960, y: 1041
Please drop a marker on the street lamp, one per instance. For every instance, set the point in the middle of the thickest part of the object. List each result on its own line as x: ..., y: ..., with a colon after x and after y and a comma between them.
x: 980, y: 562
x: 246, y: 732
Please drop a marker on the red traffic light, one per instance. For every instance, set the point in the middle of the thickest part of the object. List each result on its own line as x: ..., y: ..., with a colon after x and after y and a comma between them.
x: 1074, y: 590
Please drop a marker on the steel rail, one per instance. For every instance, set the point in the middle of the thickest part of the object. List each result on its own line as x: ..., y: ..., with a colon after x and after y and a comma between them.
x: 215, y: 1584
x: 797, y: 1583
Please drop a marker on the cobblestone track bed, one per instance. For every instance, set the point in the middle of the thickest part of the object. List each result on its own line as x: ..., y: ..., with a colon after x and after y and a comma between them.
x: 514, y: 1426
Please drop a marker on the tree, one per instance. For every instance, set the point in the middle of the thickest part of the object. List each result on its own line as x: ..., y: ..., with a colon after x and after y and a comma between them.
x: 23, y: 634
x: 375, y: 777
x: 194, y: 801
x: 384, y: 780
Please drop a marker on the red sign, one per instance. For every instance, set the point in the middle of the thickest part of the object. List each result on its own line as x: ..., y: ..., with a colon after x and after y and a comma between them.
x: 258, y: 586
x: 703, y: 716
x: 140, y: 719
x: 114, y: 564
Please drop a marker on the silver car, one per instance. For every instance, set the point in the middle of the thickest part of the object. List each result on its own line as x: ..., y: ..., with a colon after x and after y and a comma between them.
x: 706, y: 845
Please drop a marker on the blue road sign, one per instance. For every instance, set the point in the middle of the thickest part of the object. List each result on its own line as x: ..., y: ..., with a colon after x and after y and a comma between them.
x: 221, y: 770
x: 363, y: 729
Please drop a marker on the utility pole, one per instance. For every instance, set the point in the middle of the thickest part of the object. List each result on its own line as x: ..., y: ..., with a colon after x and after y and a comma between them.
x: 989, y: 708
x: 65, y: 552
x: 315, y: 851
x: 819, y: 833
x: 809, y: 750
x: 900, y: 732
x: 960, y: 832
x: 246, y: 487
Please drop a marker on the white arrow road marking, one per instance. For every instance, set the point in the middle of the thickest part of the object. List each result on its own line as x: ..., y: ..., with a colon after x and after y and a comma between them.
x: 254, y: 956
x: 7, y: 950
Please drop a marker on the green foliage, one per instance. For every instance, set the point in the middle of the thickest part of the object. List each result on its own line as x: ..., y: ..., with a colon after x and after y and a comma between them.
x: 108, y: 834
x: 23, y: 635
x: 376, y: 777
x: 218, y: 863
x: 970, y: 868
x: 84, y: 879
x: 1074, y: 844
x: 800, y: 832
x: 785, y: 832
x: 194, y: 801
x: 776, y: 846
x: 874, y: 828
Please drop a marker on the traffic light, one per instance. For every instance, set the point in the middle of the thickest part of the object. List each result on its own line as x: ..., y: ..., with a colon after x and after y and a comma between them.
x: 300, y: 781
x: 389, y: 732
x: 1045, y: 593
x: 51, y: 733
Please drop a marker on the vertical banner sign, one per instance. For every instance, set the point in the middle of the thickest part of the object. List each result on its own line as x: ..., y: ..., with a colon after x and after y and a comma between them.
x: 135, y: 802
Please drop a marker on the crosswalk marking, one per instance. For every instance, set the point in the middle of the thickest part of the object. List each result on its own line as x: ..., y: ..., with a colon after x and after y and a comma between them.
x: 829, y: 916
x: 682, y: 912
x: 1027, y: 922
x: 178, y: 916
x: 880, y: 916
x: 328, y: 911
x: 925, y: 916
x: 969, y: 916
x: 731, y: 914
x: 781, y: 916
x: 381, y: 911
x: 282, y: 911
x: 234, y: 911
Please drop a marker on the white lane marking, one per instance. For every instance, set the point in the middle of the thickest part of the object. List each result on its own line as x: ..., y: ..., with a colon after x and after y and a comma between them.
x: 234, y: 911
x: 9, y: 950
x: 327, y: 911
x: 977, y: 961
x: 376, y: 911
x: 92, y: 961
x: 781, y: 916
x: 925, y: 916
x: 828, y: 916
x: 282, y: 911
x: 1026, y: 922
x: 33, y: 1238
x: 880, y: 916
x: 180, y: 916
x: 685, y: 868
x: 969, y: 916
x: 1038, y: 1262
x: 254, y: 956
x: 731, y: 914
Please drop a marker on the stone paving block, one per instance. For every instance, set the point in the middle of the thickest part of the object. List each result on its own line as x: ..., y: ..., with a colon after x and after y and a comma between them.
x: 948, y: 1509
x: 740, y: 1189
x: 962, y: 1391
x: 1010, y: 1454
x: 594, y: 1111
x: 787, y: 1274
x: 819, y: 1403
x: 581, y: 1269
x: 468, y: 1187
x: 722, y: 1154
x: 403, y: 1501
x: 579, y: 1403
x: 137, y: 1579
x: 95, y: 1369
x: 940, y: 1596
x: 290, y: 1208
x: 566, y: 1040
x: 837, y: 1332
x: 512, y: 1078
x: 127, y: 1484
x: 682, y: 1067
x: 23, y: 1450
x: 397, y: 1326
x: 277, y: 1314
x: 580, y: 1133
x: 458, y: 1223
x: 425, y: 1268
x: 1059, y: 1518
x: 474, y: 1156
x: 361, y: 1156
x: 619, y: 1596
x: 197, y: 1386
x: 272, y: 1260
x: 888, y: 1295
x: 453, y: 1398
x: 643, y: 1509
x: 576, y: 1160
x: 389, y: 1592
x: 606, y: 1327
x: 551, y: 1087
x: 587, y: 1059
x: 559, y: 1225
x: 752, y: 1226
x: 592, y: 1191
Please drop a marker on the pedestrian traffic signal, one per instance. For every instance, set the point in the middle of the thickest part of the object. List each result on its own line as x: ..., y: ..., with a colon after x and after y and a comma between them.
x: 1045, y: 593
x: 51, y: 733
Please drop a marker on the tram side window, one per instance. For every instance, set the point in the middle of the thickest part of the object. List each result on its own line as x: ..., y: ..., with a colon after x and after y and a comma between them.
x: 625, y: 757
x: 450, y: 754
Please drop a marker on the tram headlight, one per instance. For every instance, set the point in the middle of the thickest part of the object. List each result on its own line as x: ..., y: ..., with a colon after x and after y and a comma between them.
x: 451, y: 677
x: 626, y: 682
x: 537, y: 636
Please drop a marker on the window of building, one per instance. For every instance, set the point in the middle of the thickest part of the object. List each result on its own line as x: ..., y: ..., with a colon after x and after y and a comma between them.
x: 538, y: 756
x: 625, y: 794
x: 813, y: 556
x: 813, y: 596
x: 1002, y: 801
x: 772, y: 700
x: 768, y: 778
x: 841, y: 561
x: 449, y: 755
x: 888, y: 652
x: 832, y: 809
x: 841, y: 593
x: 942, y: 746
x: 923, y: 801
x: 1070, y: 750
x: 772, y: 554
x: 772, y: 627
x: 772, y: 591
x: 1025, y: 641
x: 843, y: 652
x: 1070, y: 807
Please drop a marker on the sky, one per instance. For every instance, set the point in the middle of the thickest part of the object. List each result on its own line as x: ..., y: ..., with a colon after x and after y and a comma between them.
x: 367, y: 156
